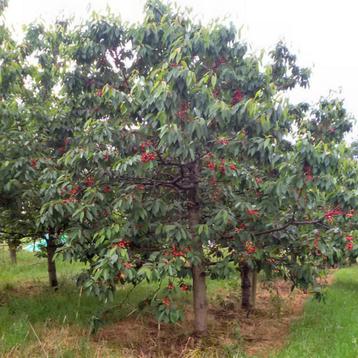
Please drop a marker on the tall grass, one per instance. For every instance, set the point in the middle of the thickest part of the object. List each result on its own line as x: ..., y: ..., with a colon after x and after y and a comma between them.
x: 32, y: 268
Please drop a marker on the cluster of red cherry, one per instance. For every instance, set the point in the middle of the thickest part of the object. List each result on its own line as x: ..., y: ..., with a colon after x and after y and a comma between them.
x: 250, y: 248
x: 349, y: 243
x: 122, y: 244
x: 237, y: 97
x: 147, y: 157
x: 221, y: 166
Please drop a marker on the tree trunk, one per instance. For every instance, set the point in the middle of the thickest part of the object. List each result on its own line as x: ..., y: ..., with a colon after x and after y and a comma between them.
x: 245, y: 286
x: 12, y: 252
x: 200, y: 300
x: 253, y: 289
x: 198, y: 269
x: 51, y: 265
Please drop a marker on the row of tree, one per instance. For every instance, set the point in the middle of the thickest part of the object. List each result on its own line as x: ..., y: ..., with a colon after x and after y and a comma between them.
x: 167, y: 152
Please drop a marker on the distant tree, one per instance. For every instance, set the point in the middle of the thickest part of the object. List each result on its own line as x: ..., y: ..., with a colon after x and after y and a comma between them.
x: 30, y: 141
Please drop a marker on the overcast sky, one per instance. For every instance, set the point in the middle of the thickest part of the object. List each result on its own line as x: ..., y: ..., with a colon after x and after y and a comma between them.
x: 323, y: 33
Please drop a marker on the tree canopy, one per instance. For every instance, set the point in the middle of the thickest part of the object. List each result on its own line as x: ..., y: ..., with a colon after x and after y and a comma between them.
x: 168, y: 152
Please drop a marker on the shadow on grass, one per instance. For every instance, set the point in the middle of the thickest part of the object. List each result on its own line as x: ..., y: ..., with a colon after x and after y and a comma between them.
x: 34, y: 304
x: 39, y: 303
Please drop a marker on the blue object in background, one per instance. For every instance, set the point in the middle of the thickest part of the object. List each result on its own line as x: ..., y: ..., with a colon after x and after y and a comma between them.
x: 38, y: 245
x: 35, y: 246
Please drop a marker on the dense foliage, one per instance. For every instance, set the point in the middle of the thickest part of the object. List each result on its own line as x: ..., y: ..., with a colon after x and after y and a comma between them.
x: 167, y: 151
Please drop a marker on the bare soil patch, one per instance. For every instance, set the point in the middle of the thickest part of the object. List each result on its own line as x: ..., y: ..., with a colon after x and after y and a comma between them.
x: 262, y: 332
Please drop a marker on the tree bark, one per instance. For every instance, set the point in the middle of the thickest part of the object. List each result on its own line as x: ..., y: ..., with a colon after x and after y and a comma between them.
x: 245, y: 286
x: 51, y: 265
x: 253, y: 289
x: 12, y: 252
x: 198, y: 269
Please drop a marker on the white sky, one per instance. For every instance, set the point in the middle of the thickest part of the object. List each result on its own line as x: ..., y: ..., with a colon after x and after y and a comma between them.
x: 323, y: 33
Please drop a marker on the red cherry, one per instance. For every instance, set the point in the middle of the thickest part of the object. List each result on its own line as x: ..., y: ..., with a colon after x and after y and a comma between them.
x: 121, y: 244
x: 75, y: 190
x: 34, y: 163
x: 184, y: 287
x: 237, y: 97
x: 250, y: 247
x: 240, y: 228
x: 177, y: 253
x: 147, y: 157
x: 89, y: 181
x: 223, y: 141
x: 253, y: 212
x: 166, y: 301
x: 128, y: 265
x: 211, y: 166
x: 222, y: 167
x: 331, y: 213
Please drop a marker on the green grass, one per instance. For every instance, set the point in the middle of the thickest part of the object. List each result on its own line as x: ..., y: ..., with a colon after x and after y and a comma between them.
x: 328, y: 330
x: 32, y: 268
x: 26, y: 299
x: 27, y: 304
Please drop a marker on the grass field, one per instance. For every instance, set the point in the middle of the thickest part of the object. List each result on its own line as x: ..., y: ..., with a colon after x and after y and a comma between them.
x: 38, y: 322
x: 29, y: 309
x: 328, y: 330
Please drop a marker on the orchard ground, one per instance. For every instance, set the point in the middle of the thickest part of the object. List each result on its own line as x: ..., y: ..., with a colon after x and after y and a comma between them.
x: 37, y: 321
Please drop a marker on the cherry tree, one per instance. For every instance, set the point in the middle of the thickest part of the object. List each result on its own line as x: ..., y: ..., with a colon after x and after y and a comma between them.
x: 180, y: 163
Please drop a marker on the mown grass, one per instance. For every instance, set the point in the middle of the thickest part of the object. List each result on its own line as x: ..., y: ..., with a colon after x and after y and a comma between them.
x: 37, y: 321
x: 29, y: 308
x: 328, y: 330
x: 28, y: 305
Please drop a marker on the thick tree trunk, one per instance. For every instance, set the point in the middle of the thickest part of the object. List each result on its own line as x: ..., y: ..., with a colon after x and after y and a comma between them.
x: 51, y: 265
x: 12, y: 252
x: 198, y: 269
x: 253, y: 288
x: 245, y: 286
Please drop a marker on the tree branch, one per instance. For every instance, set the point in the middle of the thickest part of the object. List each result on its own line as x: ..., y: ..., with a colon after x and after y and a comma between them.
x: 18, y: 233
x: 291, y: 223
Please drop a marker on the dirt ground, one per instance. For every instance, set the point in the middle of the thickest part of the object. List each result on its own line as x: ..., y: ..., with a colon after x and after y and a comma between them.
x: 262, y: 332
